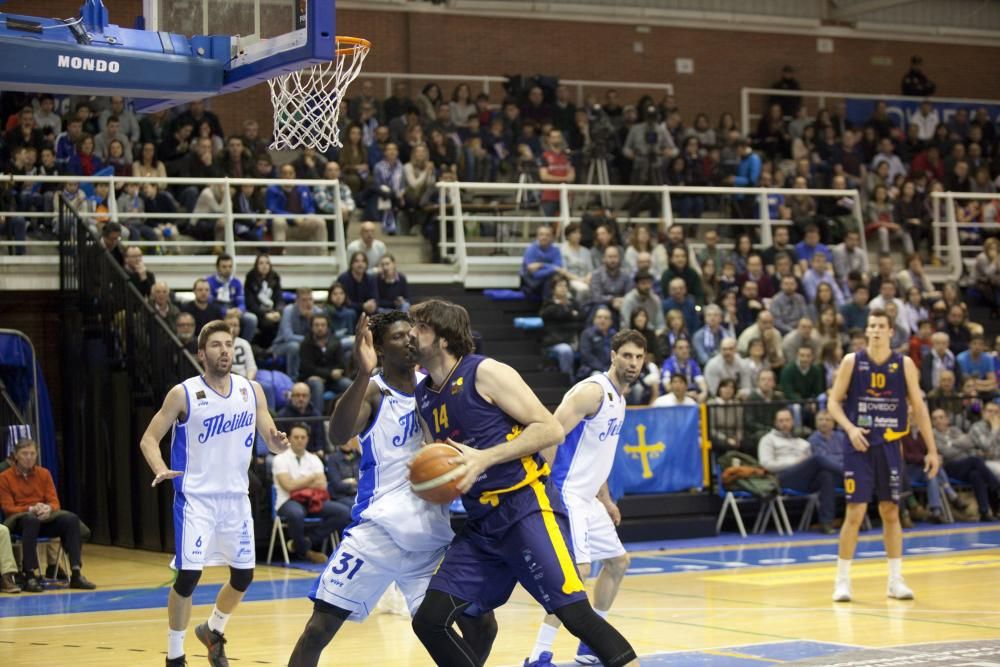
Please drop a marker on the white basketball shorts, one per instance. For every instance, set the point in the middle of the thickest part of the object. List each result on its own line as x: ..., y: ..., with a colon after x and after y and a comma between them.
x: 593, y: 533
x: 213, y: 530
x: 364, y: 566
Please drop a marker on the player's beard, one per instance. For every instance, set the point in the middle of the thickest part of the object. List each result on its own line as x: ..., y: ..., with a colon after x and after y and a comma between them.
x: 220, y: 366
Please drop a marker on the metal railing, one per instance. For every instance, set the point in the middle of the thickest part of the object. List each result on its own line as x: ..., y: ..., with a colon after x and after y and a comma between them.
x: 945, y: 219
x: 338, y: 244
x: 452, y: 210
x: 823, y: 96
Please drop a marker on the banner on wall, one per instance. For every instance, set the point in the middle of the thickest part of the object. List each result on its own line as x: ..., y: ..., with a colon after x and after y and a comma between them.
x: 901, y: 109
x: 659, y: 451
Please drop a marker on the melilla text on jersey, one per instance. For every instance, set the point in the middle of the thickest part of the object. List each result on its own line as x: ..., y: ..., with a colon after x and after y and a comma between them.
x: 219, y: 425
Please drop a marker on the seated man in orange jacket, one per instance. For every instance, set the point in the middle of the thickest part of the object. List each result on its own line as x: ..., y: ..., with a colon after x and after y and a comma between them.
x: 31, y: 509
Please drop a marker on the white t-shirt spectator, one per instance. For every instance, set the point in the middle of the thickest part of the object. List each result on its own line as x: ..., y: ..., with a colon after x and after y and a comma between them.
x: 243, y: 362
x: 287, y: 462
x: 669, y: 401
x: 374, y: 253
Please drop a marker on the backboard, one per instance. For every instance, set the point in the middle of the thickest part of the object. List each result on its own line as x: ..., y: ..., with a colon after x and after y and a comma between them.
x: 269, y: 37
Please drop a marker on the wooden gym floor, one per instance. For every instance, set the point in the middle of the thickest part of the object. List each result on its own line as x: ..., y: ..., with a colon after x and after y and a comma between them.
x: 721, y: 601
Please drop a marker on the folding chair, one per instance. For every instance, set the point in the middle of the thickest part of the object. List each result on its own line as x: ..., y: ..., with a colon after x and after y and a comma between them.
x: 772, y: 510
x: 278, y: 531
x: 812, y: 504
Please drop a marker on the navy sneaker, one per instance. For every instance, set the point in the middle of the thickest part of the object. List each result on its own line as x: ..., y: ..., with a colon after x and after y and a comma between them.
x: 544, y: 660
x: 585, y: 656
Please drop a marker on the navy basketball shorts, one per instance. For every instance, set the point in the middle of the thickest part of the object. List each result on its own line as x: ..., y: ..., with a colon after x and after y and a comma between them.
x: 523, y: 540
x: 875, y: 473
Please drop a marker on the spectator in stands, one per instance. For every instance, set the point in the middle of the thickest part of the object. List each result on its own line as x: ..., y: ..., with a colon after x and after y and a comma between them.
x: 111, y: 132
x: 343, y: 318
x: 957, y: 329
x: 163, y: 306
x: 373, y: 248
x: 300, y: 409
x: 155, y: 200
x: 85, y: 162
x: 148, y: 166
x: 8, y: 566
x: 827, y: 442
x: 781, y: 245
x: 920, y: 342
x: 964, y: 455
x: 297, y: 470
x: 986, y: 274
x: 755, y: 273
x: 765, y: 399
x: 803, y: 335
x: 294, y: 209
x: 26, y: 132
x: 885, y: 272
x: 642, y: 296
x: 604, y: 238
x: 309, y: 165
x: 202, y: 308
x: 577, y: 262
x: 888, y: 294
x: 940, y: 359
x: 555, y: 168
x: 562, y: 316
x: 978, y: 364
x: 801, y: 380
x: 728, y: 365
x: 765, y: 330
x: 360, y: 286
x: 294, y: 326
x: 747, y: 176
x: 915, y: 82
x: 66, y: 142
x: 138, y: 275
x: 708, y: 339
x: 792, y: 460
x: 542, y: 260
x: 681, y: 363
x: 788, y: 306
x: 848, y: 256
x: 184, y: 327
x: 914, y: 311
x: 111, y: 236
x: 595, y: 343
x: 198, y: 163
x: 264, y: 298
x: 678, y: 299
x: 226, y: 291
x: 609, y: 284
x: 354, y: 160
x: 131, y: 208
x: 321, y: 362
x: 725, y: 428
x: 677, y: 395
x: 419, y: 178
x: 783, y: 266
x: 675, y: 331
x: 388, y: 186
x: 237, y: 162
x: 46, y: 119
x: 343, y: 469
x: 31, y: 509
x: 819, y: 273
x: 248, y: 203
x: 393, y: 290
x: 911, y: 215
x: 748, y: 305
x: 679, y: 268
x: 711, y: 249
x: 809, y: 246
x: 243, y: 360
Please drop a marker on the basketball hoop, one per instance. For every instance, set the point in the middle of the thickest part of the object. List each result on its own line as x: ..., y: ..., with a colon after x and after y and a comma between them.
x: 307, y: 102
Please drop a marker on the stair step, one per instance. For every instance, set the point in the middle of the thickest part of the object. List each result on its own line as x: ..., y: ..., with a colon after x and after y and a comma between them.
x: 666, y: 528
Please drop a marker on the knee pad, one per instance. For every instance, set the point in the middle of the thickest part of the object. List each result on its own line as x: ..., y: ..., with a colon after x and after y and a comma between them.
x: 240, y: 579
x: 186, y: 581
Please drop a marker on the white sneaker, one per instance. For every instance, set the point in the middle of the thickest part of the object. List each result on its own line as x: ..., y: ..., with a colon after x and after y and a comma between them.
x: 842, y: 590
x: 899, y: 590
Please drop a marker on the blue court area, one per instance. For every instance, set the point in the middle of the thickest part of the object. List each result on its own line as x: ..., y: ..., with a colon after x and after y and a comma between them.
x: 740, y: 656
x: 725, y: 552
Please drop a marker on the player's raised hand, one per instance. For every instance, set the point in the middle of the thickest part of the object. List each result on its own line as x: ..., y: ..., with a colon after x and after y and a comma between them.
x: 476, y: 463
x: 165, y: 475
x: 932, y: 463
x: 278, y: 440
x: 364, y: 348
x: 858, y: 439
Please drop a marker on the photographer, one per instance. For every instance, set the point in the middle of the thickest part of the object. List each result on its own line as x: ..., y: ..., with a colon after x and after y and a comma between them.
x: 646, y: 145
x: 555, y: 168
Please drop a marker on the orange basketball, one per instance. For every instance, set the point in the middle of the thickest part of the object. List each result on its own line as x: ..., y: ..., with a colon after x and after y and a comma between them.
x: 435, y: 471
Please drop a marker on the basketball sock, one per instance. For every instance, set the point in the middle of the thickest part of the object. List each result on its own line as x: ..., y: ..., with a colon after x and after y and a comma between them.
x: 546, y: 635
x: 175, y: 643
x: 843, y: 569
x: 895, y: 568
x: 217, y: 621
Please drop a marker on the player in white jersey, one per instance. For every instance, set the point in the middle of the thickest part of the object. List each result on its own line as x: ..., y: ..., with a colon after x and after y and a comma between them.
x: 395, y: 536
x: 592, y: 413
x: 215, y: 418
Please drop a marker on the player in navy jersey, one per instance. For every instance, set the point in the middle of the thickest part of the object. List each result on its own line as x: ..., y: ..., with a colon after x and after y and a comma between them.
x: 517, y: 529
x: 215, y: 419
x: 869, y: 401
x: 395, y: 536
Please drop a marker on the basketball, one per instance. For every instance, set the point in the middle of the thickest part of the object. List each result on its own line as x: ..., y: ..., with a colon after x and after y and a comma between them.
x: 435, y: 471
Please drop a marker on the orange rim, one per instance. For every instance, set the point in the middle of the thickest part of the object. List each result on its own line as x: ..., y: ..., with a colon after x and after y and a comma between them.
x: 352, y: 44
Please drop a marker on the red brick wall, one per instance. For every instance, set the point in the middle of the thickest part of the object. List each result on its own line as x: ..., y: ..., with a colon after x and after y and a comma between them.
x: 724, y: 61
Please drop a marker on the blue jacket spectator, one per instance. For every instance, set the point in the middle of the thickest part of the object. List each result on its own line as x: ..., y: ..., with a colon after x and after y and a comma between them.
x: 595, y: 344
x: 277, y: 200
x: 681, y: 363
x: 295, y: 322
x: 225, y: 288
x: 977, y: 363
x: 542, y: 259
x: 361, y: 287
x: 678, y: 299
x: 343, y: 319
x: 748, y: 171
x: 828, y: 443
x: 809, y: 246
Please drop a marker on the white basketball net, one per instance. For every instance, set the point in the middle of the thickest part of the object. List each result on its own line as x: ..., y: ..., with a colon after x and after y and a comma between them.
x: 307, y: 102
